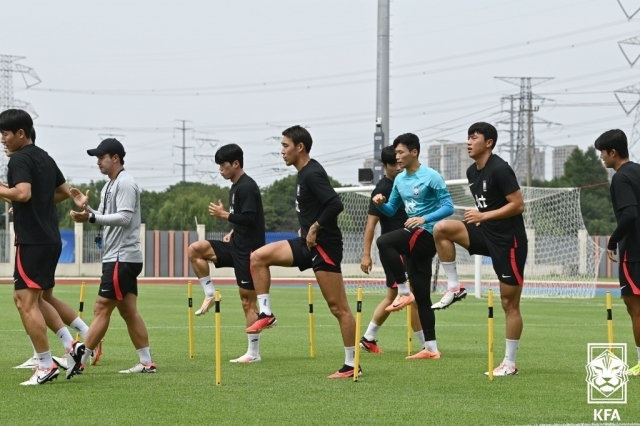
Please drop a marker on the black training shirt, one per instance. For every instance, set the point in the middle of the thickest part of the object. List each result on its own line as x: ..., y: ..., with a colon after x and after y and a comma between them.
x: 625, y: 192
x: 490, y: 187
x: 36, y: 221
x: 245, y: 200
x: 314, y: 195
x: 387, y: 224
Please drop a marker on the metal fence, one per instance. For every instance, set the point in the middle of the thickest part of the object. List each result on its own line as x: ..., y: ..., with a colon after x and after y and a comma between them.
x: 90, y: 251
x: 5, y: 246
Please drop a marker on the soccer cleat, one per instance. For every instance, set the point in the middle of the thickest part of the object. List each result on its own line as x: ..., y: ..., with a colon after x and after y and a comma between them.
x: 246, y: 359
x: 206, y: 305
x: 141, y: 368
x: 42, y: 376
x: 74, y: 359
x: 60, y: 362
x: 401, y: 301
x: 96, y: 354
x: 425, y: 354
x: 370, y: 346
x: 504, y: 370
x: 634, y: 371
x: 263, y: 321
x: 31, y: 363
x: 345, y: 372
x: 450, y: 297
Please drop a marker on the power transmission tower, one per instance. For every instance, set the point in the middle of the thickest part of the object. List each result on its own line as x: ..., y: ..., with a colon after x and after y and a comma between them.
x: 184, y: 149
x: 205, y: 160
x: 525, y: 162
x: 8, y: 67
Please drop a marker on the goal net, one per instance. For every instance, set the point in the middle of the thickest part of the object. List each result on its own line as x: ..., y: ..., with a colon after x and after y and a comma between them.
x: 562, y: 259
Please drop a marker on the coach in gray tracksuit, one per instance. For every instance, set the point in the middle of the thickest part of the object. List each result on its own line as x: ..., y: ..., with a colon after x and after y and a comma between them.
x: 119, y: 236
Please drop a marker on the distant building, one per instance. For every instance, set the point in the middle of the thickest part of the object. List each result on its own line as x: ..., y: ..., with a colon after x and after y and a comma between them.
x: 560, y: 156
x: 368, y: 163
x: 453, y: 164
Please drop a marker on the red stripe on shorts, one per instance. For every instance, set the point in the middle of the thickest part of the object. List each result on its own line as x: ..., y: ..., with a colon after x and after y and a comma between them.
x: 514, y: 264
x: 634, y: 287
x: 116, y: 281
x: 28, y: 281
x: 414, y: 238
x: 325, y: 256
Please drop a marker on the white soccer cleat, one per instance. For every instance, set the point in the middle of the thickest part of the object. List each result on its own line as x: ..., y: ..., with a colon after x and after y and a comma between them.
x: 60, y: 362
x: 246, y: 359
x: 450, y: 297
x: 42, y: 376
x: 504, y: 370
x: 206, y: 305
x: 141, y: 368
x: 74, y: 359
x: 31, y: 363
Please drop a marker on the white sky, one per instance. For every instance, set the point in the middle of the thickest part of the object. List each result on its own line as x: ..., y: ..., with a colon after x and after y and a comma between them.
x: 243, y: 71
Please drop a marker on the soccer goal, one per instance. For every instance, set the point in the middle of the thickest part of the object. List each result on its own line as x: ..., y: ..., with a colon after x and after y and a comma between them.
x: 562, y: 259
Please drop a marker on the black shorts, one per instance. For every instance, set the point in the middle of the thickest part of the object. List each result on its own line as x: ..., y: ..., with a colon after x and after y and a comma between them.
x: 508, y: 257
x: 36, y: 266
x: 119, y: 279
x: 629, y: 278
x: 228, y: 257
x: 391, y: 282
x: 323, y: 257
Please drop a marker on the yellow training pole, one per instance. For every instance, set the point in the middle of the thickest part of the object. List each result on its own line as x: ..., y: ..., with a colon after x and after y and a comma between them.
x: 490, y: 323
x: 609, y: 322
x: 190, y: 313
x: 356, y: 366
x: 312, y: 331
x: 218, y: 349
x: 409, y: 332
x: 81, y: 306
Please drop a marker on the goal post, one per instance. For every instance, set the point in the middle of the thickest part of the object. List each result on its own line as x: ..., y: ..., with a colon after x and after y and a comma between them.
x: 562, y: 259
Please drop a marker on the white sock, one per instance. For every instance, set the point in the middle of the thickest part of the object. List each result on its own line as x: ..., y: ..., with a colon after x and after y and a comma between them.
x: 349, y: 352
x: 65, y: 337
x: 452, y: 275
x: 431, y: 346
x: 35, y: 353
x: 80, y: 326
x: 44, y: 359
x: 638, y: 349
x: 145, y: 355
x: 419, y: 335
x: 510, y: 353
x: 264, y: 304
x: 86, y: 357
x: 404, y: 288
x: 207, y: 286
x: 372, y: 330
x: 254, y: 344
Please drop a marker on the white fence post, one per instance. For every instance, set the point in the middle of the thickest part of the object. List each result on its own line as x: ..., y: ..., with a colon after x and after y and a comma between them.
x: 477, y: 275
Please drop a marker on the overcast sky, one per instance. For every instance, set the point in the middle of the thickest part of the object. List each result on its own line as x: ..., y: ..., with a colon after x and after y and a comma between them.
x: 243, y: 71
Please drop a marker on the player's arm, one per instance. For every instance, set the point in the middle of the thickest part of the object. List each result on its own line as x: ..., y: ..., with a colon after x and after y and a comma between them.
x: 61, y: 193
x: 628, y: 208
x: 125, y: 199
x: 388, y: 208
x: 369, y: 232
x: 22, y: 178
x: 321, y: 188
x: 508, y: 185
x: 3, y: 198
x: 446, y: 204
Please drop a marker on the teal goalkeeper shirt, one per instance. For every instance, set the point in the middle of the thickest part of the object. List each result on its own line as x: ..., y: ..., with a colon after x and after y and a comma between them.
x: 423, y: 193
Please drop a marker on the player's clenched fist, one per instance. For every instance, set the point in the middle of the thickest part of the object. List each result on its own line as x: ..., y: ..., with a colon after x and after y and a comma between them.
x: 379, y: 199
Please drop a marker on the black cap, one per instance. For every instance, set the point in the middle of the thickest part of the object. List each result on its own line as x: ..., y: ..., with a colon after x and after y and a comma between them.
x: 108, y: 146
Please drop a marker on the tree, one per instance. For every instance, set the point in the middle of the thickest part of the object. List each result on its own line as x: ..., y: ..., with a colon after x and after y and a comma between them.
x: 585, y: 170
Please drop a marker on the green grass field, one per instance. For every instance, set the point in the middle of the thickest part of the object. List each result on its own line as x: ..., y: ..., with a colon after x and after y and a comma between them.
x: 288, y: 387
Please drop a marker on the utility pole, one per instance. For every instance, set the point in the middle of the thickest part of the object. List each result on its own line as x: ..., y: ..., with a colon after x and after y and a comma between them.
x: 206, y: 157
x: 184, y: 149
x: 8, y: 67
x: 510, y: 122
x: 381, y: 135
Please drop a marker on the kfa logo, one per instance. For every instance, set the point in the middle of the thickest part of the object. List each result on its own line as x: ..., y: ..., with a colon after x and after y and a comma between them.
x: 605, y: 414
x: 481, y: 203
x: 416, y: 191
x: 410, y: 206
x: 297, y: 190
x: 607, y: 373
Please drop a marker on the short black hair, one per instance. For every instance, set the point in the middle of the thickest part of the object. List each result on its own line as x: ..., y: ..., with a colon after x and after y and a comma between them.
x: 229, y: 153
x: 33, y: 135
x: 409, y: 140
x: 485, y: 129
x: 388, y: 156
x: 613, y: 139
x: 13, y: 120
x: 299, y: 134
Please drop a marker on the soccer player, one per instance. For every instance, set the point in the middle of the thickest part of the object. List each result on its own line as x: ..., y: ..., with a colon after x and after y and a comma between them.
x: 319, y: 246
x: 625, y: 239
x: 496, y: 229
x: 426, y: 201
x: 391, y: 169
x: 119, y: 218
x: 34, y: 185
x: 247, y: 234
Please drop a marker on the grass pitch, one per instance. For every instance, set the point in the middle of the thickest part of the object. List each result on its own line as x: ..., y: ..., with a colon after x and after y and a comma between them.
x: 288, y: 387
